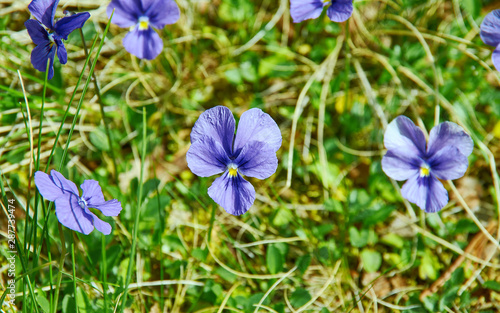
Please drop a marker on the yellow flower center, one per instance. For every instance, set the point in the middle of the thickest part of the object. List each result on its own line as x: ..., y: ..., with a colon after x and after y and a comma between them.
x: 143, y: 23
x: 233, y: 170
x: 425, y: 170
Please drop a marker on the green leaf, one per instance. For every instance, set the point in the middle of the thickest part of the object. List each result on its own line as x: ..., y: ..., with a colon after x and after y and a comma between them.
x: 358, y: 238
x: 200, y: 254
x: 303, y: 263
x: 68, y: 304
x: 492, y: 285
x: 234, y: 76
x: 99, y: 139
x: 274, y: 260
x: 372, y: 260
x: 300, y: 297
x: 473, y: 7
x: 43, y: 303
x: 448, y: 298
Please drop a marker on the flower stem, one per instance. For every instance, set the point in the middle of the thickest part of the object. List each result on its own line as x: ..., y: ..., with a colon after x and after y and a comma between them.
x: 101, y: 105
x: 61, y: 266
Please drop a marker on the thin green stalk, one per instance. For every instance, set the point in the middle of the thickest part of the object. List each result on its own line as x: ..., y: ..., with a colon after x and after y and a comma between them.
x: 61, y: 266
x: 74, y: 275
x: 162, y: 229
x: 104, y: 272
x: 137, y: 214
x: 101, y: 105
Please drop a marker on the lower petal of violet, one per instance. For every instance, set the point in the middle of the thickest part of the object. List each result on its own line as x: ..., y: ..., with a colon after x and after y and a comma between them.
x: 301, y: 10
x: 99, y: 224
x: 426, y: 192
x: 144, y: 44
x: 340, y: 10
x: 234, y: 194
x: 448, y: 163
x: 41, y: 54
x: 37, y: 32
x: 257, y: 159
x: 108, y: 208
x: 496, y: 58
x: 70, y: 214
x: 62, y: 54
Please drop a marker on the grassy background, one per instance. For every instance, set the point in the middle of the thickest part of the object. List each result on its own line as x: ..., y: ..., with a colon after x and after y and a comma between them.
x: 329, y: 232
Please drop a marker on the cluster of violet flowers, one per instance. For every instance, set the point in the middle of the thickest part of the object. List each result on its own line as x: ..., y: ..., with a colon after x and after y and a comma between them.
x: 251, y: 151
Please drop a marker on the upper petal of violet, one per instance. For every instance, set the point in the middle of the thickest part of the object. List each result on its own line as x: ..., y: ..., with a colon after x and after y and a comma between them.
x: 109, y: 208
x: 402, y: 135
x: 70, y: 214
x: 448, y: 163
x: 301, y: 10
x: 257, y: 159
x: 161, y: 12
x: 425, y: 191
x: 127, y: 12
x: 67, y: 24
x: 144, y: 44
x: 37, y: 32
x: 92, y: 192
x: 496, y: 58
x: 400, y: 166
x: 65, y: 184
x: 234, y: 194
x: 340, y: 10
x: 207, y: 157
x: 44, y: 11
x: 255, y: 125
x: 449, y: 134
x: 490, y: 28
x: 217, y: 123
x: 46, y: 186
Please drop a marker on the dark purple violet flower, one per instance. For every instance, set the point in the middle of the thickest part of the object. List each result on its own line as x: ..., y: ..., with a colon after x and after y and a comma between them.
x: 338, y: 11
x: 50, y: 42
x: 72, y: 210
x: 141, y: 16
x: 252, y: 152
x: 490, y: 34
x: 410, y: 158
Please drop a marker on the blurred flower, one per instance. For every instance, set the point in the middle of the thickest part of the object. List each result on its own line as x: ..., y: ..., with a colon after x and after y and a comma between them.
x: 408, y: 158
x: 72, y: 210
x: 141, y: 16
x: 252, y: 152
x: 49, y: 43
x: 339, y: 10
x: 490, y: 34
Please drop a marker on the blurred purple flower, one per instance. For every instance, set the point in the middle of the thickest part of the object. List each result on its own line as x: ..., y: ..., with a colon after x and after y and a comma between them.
x: 252, y: 152
x: 72, y: 210
x: 339, y: 10
x: 490, y: 34
x: 408, y: 158
x: 141, y: 16
x: 49, y: 43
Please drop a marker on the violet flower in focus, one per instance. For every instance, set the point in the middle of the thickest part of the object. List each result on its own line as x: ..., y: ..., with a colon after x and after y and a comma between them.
x: 49, y: 43
x: 410, y: 158
x: 338, y: 11
x: 251, y: 152
x: 490, y: 34
x: 72, y: 210
x: 141, y: 16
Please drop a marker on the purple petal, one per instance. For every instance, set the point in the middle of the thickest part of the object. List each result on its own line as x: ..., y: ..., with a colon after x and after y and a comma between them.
x: 99, y: 224
x: 161, y: 12
x: 92, y: 192
x: 66, y: 25
x: 217, y: 123
x: 404, y: 137
x: 495, y: 57
x: 400, y: 166
x: 70, y: 214
x: 449, y: 134
x: 126, y: 14
x: 234, y: 194
x: 340, y: 10
x: 427, y: 192
x: 108, y: 208
x: 61, y: 52
x: 37, y: 32
x: 206, y: 157
x: 44, y: 11
x: 490, y: 28
x: 63, y: 183
x: 256, y: 125
x: 301, y: 10
x: 39, y: 56
x: 47, y: 187
x: 144, y: 44
x: 257, y: 159
x: 448, y: 163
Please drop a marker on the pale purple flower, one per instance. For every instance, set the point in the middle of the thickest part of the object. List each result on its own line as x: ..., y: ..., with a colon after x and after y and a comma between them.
x: 410, y: 158
x: 48, y: 43
x: 141, y: 16
x: 490, y: 34
x: 72, y: 210
x: 251, y: 152
x: 338, y: 11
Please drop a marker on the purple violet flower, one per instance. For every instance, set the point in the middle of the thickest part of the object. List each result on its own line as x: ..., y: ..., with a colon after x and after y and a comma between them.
x: 49, y: 43
x: 141, y: 16
x: 490, y: 34
x: 72, y: 210
x: 339, y: 10
x: 408, y: 158
x: 252, y: 152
